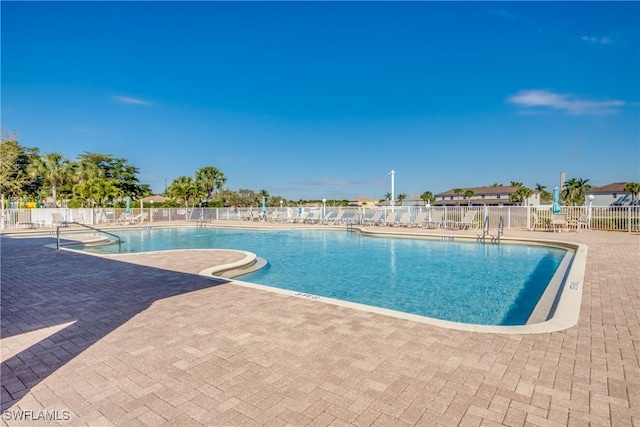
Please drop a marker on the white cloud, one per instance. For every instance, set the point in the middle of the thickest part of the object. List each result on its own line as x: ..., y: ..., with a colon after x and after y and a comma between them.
x: 130, y: 100
x: 597, y: 40
x: 531, y: 99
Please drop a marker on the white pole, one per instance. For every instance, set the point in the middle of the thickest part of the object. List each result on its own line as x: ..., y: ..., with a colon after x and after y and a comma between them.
x: 392, y: 173
x: 2, y: 215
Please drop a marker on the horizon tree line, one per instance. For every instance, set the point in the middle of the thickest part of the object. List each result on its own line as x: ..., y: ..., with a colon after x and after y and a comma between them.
x: 101, y: 180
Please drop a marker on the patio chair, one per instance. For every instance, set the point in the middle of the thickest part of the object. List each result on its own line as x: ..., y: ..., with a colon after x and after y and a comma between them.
x: 467, y: 221
x: 537, y: 222
x: 559, y: 222
x: 436, y: 219
x: 24, y: 220
x: 582, y: 221
x: 375, y: 219
x: 336, y: 219
x: 405, y: 220
x: 57, y: 220
x: 420, y: 219
x: 391, y: 219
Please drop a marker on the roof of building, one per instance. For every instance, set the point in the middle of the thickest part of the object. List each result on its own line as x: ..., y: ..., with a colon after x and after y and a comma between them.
x: 154, y: 199
x: 477, y: 191
x: 616, y: 187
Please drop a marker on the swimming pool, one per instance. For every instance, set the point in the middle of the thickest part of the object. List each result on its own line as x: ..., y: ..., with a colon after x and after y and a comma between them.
x: 456, y: 281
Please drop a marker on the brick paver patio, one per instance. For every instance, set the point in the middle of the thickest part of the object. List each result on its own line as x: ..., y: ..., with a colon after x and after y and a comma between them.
x: 88, y: 340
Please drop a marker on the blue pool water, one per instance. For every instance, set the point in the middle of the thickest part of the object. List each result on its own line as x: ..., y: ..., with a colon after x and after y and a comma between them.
x: 459, y: 281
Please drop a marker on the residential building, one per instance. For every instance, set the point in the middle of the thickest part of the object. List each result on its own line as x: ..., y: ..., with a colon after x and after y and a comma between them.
x: 610, y: 195
x: 484, y: 196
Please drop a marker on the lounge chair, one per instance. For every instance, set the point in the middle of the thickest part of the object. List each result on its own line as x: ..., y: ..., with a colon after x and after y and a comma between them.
x: 467, y: 221
x: 537, y: 222
x: 302, y: 217
x: 391, y: 219
x: 559, y: 222
x: 57, y: 220
x: 436, y: 219
x: 405, y: 220
x: 420, y: 219
x: 314, y: 217
x: 24, y: 220
x: 375, y: 219
x: 336, y: 219
x: 582, y: 221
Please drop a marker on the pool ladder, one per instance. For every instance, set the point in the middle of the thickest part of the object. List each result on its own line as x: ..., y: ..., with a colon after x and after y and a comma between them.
x: 485, y: 231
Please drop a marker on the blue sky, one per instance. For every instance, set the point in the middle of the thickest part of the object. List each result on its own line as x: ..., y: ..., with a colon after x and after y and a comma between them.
x: 323, y: 99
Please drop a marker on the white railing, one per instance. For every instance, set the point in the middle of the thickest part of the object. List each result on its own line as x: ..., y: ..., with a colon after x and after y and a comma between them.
x: 611, y: 218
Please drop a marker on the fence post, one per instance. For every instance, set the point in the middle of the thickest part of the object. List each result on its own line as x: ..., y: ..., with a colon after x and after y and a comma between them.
x: 629, y: 219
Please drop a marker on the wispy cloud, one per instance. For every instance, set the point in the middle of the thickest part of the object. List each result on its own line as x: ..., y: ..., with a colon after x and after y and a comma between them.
x: 597, y: 40
x: 504, y: 14
x: 130, y: 100
x: 534, y: 100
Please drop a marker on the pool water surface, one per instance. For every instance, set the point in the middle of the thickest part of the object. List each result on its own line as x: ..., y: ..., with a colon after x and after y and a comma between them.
x: 466, y: 282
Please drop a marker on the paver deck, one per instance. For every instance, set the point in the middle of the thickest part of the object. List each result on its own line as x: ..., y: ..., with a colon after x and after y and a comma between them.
x: 92, y: 340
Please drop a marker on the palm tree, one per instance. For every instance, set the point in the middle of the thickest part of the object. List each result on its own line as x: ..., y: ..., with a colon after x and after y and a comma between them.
x: 211, y: 179
x: 634, y: 189
x: 545, y: 196
x: 401, y: 198
x: 187, y: 190
x: 427, y: 196
x: 468, y: 194
x: 54, y: 169
x: 574, y: 191
x: 516, y: 184
x: 521, y: 195
x: 458, y: 191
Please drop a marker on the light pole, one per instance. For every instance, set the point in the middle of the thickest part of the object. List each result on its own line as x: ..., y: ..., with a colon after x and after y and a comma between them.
x: 281, y: 201
x: 392, y: 173
x: 324, y: 204
x: 590, y: 197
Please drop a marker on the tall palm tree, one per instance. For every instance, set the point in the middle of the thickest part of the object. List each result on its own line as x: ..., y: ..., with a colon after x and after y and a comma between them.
x: 54, y: 169
x: 211, y: 179
x: 574, y: 191
x: 401, y: 198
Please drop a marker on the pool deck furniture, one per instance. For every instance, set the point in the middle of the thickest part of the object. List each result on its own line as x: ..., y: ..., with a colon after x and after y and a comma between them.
x: 145, y: 347
x: 579, y: 223
x: 468, y: 221
x: 559, y: 222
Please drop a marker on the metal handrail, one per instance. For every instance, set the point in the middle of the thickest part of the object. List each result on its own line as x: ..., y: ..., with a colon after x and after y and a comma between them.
x: 86, y: 226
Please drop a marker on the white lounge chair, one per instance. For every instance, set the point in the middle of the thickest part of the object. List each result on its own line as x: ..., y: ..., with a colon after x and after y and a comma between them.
x: 420, y: 219
x: 467, y: 221
x: 582, y: 221
x: 391, y: 219
x: 559, y: 222
x: 405, y: 220
x: 436, y: 219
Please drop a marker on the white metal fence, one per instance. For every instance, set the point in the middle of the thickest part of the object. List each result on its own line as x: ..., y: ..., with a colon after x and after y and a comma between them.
x: 611, y: 218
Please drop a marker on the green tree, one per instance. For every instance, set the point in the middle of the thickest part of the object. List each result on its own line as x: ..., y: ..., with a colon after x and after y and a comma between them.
x: 458, y: 192
x: 211, y: 179
x: 427, y: 197
x: 54, y: 169
x: 634, y: 189
x: 545, y: 196
x: 15, y: 161
x: 468, y: 194
x: 401, y: 198
x: 186, y: 190
x: 574, y: 191
x: 521, y: 195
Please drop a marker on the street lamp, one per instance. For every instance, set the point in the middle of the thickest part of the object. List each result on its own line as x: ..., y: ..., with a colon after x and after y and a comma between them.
x: 590, y: 197
x: 281, y: 201
x: 324, y: 204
